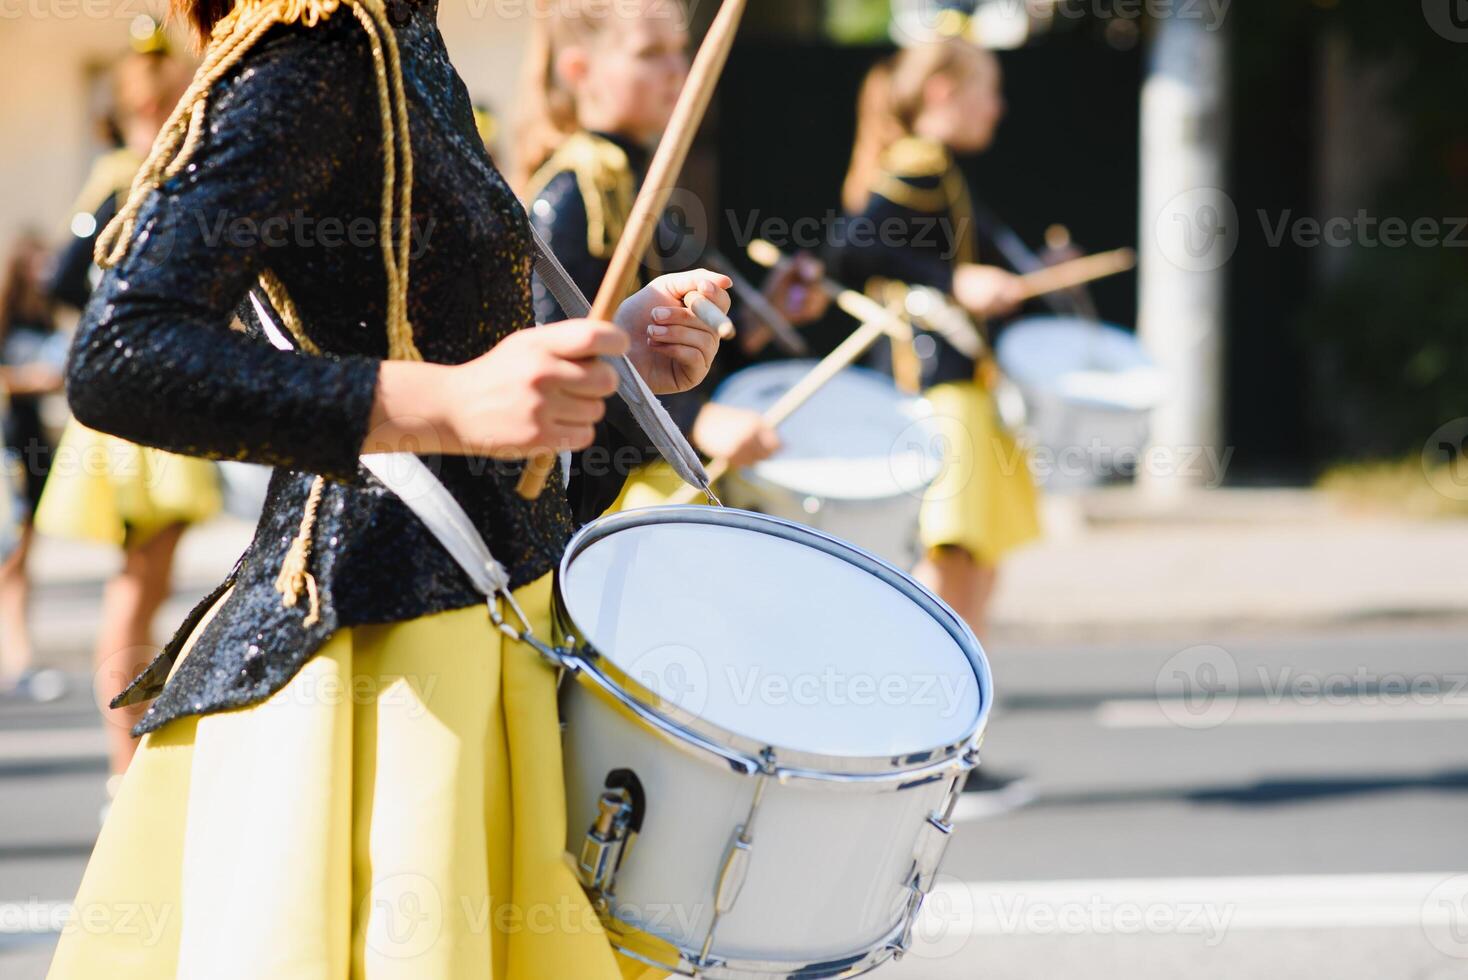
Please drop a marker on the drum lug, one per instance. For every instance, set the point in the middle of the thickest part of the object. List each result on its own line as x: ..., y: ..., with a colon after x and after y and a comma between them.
x: 735, y: 870
x: 601, y: 851
x: 928, y: 854
x: 927, y: 857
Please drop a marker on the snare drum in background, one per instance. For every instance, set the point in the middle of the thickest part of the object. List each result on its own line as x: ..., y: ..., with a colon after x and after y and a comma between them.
x: 764, y: 740
x: 855, y: 460
x: 1088, y: 389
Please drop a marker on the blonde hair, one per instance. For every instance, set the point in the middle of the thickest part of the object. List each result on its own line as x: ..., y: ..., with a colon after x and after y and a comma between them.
x: 548, y: 108
x: 890, y: 101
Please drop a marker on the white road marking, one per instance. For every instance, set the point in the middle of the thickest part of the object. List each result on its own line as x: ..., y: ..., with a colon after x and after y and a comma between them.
x: 1149, y: 713
x: 1207, y: 907
x: 42, y: 744
x: 33, y: 918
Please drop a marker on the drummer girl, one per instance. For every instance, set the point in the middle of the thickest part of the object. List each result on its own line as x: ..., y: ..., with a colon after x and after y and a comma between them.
x: 917, y: 110
x: 600, y: 85
x: 346, y: 769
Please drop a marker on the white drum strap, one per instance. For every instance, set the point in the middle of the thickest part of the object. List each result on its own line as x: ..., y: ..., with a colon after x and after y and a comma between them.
x: 426, y: 496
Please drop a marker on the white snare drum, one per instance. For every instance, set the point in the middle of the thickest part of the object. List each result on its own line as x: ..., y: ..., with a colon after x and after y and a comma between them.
x: 765, y: 738
x: 854, y: 461
x: 1088, y: 388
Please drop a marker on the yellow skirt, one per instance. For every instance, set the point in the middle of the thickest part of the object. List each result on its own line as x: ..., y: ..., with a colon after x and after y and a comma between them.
x: 105, y: 489
x: 984, y: 500
x: 649, y: 485
x: 395, y: 812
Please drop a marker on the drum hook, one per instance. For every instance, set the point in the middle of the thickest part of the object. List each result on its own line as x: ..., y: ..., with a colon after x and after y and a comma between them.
x: 523, y: 634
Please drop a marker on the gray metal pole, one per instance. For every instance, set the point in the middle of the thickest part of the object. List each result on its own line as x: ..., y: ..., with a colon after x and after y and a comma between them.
x: 1189, y: 230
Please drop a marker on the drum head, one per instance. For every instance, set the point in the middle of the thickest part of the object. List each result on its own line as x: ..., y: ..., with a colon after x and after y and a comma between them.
x: 858, y: 438
x: 751, y: 626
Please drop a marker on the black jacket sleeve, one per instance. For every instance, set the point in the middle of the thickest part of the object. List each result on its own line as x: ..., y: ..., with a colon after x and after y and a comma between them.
x: 155, y: 360
x: 893, y: 241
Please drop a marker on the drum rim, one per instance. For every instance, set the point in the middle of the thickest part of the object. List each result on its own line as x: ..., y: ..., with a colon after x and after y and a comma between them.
x: 601, y: 676
x: 625, y: 938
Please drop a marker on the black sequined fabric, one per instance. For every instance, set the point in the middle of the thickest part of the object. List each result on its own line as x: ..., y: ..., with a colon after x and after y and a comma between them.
x: 289, y: 178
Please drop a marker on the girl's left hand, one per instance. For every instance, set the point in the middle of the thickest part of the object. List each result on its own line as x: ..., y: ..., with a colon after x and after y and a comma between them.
x: 671, y: 348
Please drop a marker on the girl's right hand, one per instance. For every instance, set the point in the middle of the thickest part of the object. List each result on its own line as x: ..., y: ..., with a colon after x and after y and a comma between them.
x: 986, y: 290
x: 535, y: 391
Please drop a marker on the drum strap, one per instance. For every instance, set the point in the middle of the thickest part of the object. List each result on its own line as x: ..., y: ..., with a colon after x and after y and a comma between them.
x: 643, y: 405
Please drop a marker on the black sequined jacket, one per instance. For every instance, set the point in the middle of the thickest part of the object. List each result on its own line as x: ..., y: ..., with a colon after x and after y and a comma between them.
x: 288, y: 178
x: 916, y: 228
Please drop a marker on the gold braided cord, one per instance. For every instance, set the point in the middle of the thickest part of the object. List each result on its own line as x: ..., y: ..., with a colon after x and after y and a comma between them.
x: 191, y: 139
x: 295, y: 573
x: 286, y: 307
x: 396, y: 189
x: 179, y: 140
x: 181, y: 135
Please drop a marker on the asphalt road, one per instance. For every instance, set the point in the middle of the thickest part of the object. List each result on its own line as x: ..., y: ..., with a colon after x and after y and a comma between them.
x: 1282, y: 806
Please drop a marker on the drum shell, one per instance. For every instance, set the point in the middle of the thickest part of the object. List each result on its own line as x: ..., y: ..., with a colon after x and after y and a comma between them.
x: 830, y: 863
x: 1089, y: 390
x: 837, y: 841
x: 883, y: 526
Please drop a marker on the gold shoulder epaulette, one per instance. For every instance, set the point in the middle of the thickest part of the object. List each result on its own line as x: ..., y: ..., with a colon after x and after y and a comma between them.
x: 913, y: 174
x: 604, y: 178
x: 913, y: 156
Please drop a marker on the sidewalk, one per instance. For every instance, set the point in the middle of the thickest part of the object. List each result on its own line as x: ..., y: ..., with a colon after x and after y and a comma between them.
x: 1228, y: 558
x: 1111, y: 564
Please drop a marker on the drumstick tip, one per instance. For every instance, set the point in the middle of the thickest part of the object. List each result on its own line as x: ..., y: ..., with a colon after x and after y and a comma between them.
x: 763, y: 253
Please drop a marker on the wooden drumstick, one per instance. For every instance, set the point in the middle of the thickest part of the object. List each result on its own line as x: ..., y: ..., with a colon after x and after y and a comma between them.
x: 854, y: 304
x: 648, y: 207
x: 1077, y: 272
x: 705, y: 309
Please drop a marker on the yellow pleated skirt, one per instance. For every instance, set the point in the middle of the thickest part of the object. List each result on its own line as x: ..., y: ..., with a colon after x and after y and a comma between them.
x: 395, y: 812
x: 984, y: 499
x: 111, y: 491
x: 650, y: 485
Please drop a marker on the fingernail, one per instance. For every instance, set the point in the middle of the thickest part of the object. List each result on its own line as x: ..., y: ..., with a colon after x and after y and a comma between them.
x: 654, y: 330
x: 661, y: 313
